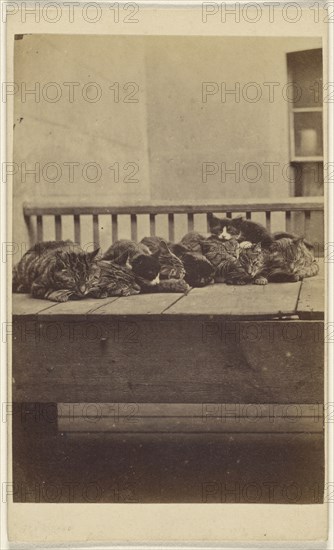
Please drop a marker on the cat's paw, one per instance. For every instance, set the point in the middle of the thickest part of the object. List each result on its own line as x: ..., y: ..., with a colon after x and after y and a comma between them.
x: 59, y: 296
x: 261, y: 281
x: 129, y: 292
x: 236, y: 282
x: 245, y: 244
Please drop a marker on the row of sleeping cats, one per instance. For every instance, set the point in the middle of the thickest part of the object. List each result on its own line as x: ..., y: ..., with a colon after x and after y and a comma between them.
x: 237, y: 251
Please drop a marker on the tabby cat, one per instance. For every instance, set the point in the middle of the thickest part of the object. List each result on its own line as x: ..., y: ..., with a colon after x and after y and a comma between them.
x: 236, y: 264
x: 113, y: 279
x: 171, y: 267
x: 136, y: 257
x: 199, y: 270
x: 290, y: 260
x: 167, y: 285
x: 240, y: 229
x: 56, y: 271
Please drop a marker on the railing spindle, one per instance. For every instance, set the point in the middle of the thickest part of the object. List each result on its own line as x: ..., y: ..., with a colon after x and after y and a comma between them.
x: 58, y: 228
x: 152, y: 225
x: 208, y: 219
x: 96, y: 236
x: 114, y: 228
x: 171, y: 227
x: 190, y: 222
x: 248, y: 215
x: 288, y: 221
x: 77, y: 232
x: 39, y: 220
x: 307, y: 223
x: 268, y: 220
x: 133, y: 227
x: 30, y: 230
x: 229, y: 214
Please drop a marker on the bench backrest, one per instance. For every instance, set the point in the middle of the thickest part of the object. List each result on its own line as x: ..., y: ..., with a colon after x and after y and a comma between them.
x: 297, y: 214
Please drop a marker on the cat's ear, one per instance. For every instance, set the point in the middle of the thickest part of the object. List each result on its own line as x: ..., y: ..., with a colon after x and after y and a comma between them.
x: 124, y: 259
x: 298, y: 240
x: 61, y: 257
x: 127, y: 263
x: 179, y: 250
x: 214, y: 222
x: 92, y: 255
x: 165, y: 247
x: 237, y: 221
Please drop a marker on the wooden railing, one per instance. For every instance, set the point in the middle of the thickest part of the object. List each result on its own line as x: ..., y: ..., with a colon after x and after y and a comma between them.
x: 305, y: 206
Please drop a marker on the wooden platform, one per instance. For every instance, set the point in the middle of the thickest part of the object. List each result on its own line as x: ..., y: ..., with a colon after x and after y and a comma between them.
x: 218, y: 344
x: 302, y: 300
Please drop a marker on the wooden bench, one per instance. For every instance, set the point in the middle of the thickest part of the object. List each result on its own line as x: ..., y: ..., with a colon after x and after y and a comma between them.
x: 291, y: 209
x: 171, y: 355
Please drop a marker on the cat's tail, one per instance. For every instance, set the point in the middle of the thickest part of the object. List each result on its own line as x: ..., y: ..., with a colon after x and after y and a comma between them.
x: 310, y: 271
x: 278, y: 276
x: 17, y: 285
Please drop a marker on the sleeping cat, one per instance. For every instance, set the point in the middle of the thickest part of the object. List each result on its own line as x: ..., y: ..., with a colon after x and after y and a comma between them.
x: 199, y: 270
x: 56, y: 271
x: 240, y: 229
x: 171, y: 267
x: 235, y: 264
x: 291, y: 259
x: 113, y: 280
x: 136, y: 257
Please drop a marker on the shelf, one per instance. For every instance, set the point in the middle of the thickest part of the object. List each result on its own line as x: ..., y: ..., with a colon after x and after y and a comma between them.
x: 307, y: 159
x: 307, y: 109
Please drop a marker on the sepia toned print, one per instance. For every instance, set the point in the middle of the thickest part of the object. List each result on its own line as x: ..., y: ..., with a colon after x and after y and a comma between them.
x: 168, y: 263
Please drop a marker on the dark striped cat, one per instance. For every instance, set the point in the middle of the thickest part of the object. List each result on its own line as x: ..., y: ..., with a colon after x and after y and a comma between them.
x: 171, y: 267
x: 199, y: 270
x: 236, y: 264
x: 290, y: 260
x: 56, y: 271
x: 136, y: 257
x: 113, y: 280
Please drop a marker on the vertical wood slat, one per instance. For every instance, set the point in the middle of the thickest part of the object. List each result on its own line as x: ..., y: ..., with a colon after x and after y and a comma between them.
x: 134, y: 231
x: 30, y: 231
x: 288, y: 221
x: 96, y: 236
x: 77, y: 230
x: 152, y: 225
x: 58, y: 232
x: 268, y: 220
x: 39, y: 221
x: 171, y: 227
x: 248, y: 215
x: 114, y: 228
x: 190, y: 222
x: 208, y: 218
x: 307, y: 223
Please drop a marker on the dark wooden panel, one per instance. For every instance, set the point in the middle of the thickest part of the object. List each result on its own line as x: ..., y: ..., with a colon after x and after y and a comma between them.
x: 193, y: 425
x: 311, y: 300
x: 169, y: 361
x: 94, y: 411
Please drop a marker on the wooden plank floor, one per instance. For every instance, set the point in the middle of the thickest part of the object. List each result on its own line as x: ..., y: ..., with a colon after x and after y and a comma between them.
x: 304, y: 300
